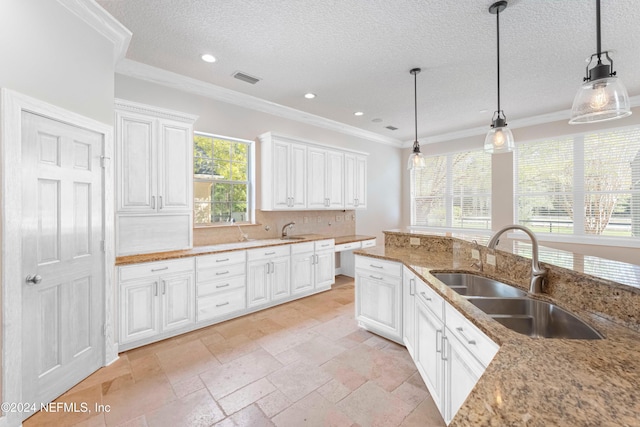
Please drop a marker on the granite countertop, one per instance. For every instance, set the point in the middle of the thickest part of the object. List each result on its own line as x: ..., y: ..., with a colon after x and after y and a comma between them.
x: 235, y: 246
x: 538, y: 381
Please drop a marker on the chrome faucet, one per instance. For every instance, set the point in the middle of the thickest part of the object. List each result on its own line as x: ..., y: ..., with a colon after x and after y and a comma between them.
x: 538, y: 274
x: 286, y: 228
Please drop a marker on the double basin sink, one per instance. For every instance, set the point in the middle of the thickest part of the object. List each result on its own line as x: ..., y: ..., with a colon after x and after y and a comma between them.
x: 514, y: 309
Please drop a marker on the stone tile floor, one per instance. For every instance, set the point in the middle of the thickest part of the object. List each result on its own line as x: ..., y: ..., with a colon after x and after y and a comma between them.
x: 304, y: 363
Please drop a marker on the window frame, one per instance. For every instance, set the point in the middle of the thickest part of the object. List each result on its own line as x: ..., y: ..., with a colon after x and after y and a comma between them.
x: 449, y: 195
x: 250, y: 183
x: 578, y: 193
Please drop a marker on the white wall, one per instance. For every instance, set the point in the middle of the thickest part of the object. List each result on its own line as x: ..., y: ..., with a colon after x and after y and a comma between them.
x: 502, y: 179
x: 384, y: 189
x: 49, y: 53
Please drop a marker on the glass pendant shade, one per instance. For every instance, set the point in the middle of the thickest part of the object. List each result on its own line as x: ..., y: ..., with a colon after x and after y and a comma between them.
x: 499, y: 140
x: 416, y: 161
x: 600, y: 100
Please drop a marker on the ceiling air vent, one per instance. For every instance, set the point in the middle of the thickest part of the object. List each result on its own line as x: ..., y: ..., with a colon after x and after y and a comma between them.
x: 245, y: 77
x: 391, y: 127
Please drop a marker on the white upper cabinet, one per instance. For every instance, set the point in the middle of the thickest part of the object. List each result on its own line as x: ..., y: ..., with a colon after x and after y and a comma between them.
x: 154, y: 174
x: 298, y: 175
x: 355, y: 181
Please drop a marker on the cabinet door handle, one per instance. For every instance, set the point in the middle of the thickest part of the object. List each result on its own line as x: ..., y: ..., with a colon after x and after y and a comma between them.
x: 160, y: 269
x: 155, y: 288
x: 426, y: 298
x: 268, y: 268
x: 153, y: 202
x: 438, y: 332
x: 442, y: 353
x: 159, y: 202
x: 412, y: 286
x: 470, y: 342
x: 164, y: 287
x: 222, y: 286
x: 222, y: 273
x: 222, y: 260
x: 223, y: 304
x: 273, y: 268
x: 375, y: 277
x: 317, y: 259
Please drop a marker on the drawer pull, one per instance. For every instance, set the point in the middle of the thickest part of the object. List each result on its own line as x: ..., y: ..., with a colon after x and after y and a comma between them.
x: 222, y: 260
x: 223, y: 304
x: 160, y: 269
x: 376, y: 266
x: 425, y: 296
x: 222, y: 286
x: 222, y: 273
x: 375, y: 277
x: 470, y: 342
x: 324, y: 246
x: 269, y: 253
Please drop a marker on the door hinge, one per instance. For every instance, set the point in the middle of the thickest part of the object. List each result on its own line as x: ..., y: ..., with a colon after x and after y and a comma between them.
x: 104, y: 161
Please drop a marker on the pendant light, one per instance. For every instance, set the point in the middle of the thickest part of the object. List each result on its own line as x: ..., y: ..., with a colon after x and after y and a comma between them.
x: 416, y: 159
x: 499, y: 139
x: 602, y: 96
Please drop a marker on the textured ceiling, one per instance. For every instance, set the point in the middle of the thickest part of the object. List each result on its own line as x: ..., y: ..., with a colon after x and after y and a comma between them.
x: 356, y: 54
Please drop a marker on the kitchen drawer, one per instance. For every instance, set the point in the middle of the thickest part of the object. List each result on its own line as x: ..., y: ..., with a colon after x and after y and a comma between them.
x: 430, y: 298
x: 221, y: 272
x: 218, y: 305
x: 220, y: 286
x: 374, y: 264
x: 368, y: 243
x: 323, y: 245
x: 268, y: 252
x: 480, y: 345
x: 301, y: 248
x: 153, y: 269
x: 348, y: 246
x: 220, y: 260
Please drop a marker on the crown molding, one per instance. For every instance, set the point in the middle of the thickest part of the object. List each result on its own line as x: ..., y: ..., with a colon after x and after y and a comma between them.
x: 173, y: 80
x: 136, y: 107
x: 513, y: 124
x: 101, y: 21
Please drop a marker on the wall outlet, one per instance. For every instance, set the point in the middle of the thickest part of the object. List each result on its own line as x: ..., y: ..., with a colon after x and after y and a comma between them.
x: 305, y: 220
x: 414, y: 241
x: 475, y: 254
x: 491, y: 259
x: 338, y: 218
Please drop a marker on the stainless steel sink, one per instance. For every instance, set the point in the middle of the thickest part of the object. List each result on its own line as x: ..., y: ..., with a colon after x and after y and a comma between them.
x: 535, y: 318
x: 472, y: 285
x: 292, y: 238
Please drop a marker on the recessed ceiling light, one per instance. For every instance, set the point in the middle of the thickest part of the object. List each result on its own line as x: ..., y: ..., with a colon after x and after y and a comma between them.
x: 208, y: 58
x: 309, y: 95
x: 358, y: 113
x: 376, y: 120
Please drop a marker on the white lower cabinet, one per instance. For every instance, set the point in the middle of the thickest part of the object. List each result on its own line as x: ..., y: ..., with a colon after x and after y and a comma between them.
x: 450, y: 352
x: 312, y: 266
x: 379, y: 297
x: 220, y: 285
x: 155, y: 298
x: 268, y: 275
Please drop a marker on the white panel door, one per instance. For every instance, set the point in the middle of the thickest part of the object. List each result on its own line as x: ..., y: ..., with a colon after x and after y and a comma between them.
x: 335, y: 180
x: 298, y: 176
x: 361, y: 182
x: 258, y: 273
x: 317, y: 180
x: 178, y: 301
x: 280, y: 179
x: 325, y: 269
x: 408, y: 310
x: 302, y: 272
x: 136, y: 159
x: 428, y: 352
x: 175, y: 153
x: 349, y: 181
x: 462, y: 374
x: 280, y: 277
x: 139, y: 310
x: 62, y: 312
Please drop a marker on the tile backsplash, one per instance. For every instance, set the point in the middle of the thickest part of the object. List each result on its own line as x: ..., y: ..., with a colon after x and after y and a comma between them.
x: 329, y: 223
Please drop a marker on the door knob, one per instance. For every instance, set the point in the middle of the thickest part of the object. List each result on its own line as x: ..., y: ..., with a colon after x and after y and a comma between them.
x: 33, y: 279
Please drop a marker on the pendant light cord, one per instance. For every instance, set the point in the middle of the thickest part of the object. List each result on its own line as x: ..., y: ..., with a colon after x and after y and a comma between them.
x: 415, y: 103
x: 599, y: 38
x: 498, y: 56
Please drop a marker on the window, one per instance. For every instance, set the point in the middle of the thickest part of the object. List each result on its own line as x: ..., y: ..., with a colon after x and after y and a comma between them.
x: 453, y: 191
x: 222, y: 185
x: 586, y: 184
